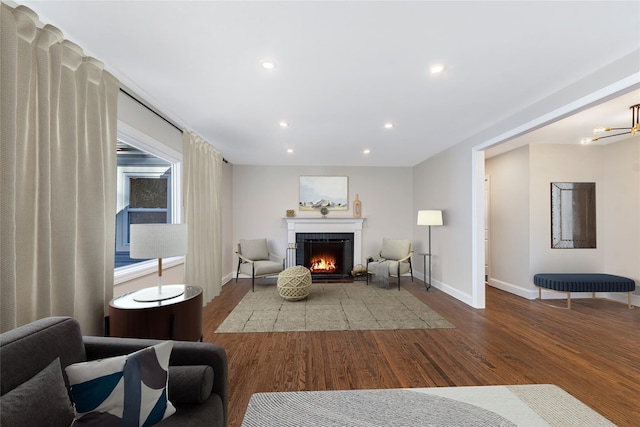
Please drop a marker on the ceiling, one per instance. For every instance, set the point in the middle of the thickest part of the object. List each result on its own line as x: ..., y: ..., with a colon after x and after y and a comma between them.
x: 346, y: 68
x: 614, y: 113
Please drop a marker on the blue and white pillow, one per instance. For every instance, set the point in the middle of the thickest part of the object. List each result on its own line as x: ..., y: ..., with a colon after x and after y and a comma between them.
x: 126, y: 390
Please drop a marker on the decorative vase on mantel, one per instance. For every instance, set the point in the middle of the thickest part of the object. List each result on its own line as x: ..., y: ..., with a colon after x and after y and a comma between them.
x: 357, y: 208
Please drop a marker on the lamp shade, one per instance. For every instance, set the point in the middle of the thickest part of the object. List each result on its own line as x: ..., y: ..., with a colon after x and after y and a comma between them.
x: 431, y: 217
x: 158, y: 240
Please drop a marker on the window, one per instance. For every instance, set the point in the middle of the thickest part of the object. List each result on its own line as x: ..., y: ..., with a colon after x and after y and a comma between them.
x: 150, y: 157
x: 144, y: 195
x: 157, y: 166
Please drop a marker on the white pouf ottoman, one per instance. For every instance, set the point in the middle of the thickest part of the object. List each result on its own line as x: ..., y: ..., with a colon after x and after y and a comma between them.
x: 294, y: 283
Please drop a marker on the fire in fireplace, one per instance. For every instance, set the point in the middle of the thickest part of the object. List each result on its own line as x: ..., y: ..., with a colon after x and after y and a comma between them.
x: 327, y: 255
x: 323, y: 263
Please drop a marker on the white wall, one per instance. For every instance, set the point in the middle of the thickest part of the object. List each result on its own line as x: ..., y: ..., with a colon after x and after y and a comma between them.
x: 262, y: 194
x: 147, y: 122
x: 563, y: 163
x: 170, y: 275
x: 444, y: 182
x: 509, y: 219
x: 228, y: 246
x: 621, y: 209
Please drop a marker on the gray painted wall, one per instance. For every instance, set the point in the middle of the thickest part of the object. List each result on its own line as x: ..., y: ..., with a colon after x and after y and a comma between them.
x: 509, y: 217
x: 262, y: 194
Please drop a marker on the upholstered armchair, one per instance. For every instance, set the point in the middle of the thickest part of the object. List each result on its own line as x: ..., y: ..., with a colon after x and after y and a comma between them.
x: 255, y: 260
x: 393, y: 260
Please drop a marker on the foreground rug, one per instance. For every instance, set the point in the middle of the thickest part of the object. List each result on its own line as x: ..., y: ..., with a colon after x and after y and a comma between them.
x: 521, y: 405
x: 332, y: 307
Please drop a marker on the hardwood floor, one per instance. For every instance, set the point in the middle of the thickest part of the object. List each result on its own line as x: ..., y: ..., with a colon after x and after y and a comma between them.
x: 591, y: 351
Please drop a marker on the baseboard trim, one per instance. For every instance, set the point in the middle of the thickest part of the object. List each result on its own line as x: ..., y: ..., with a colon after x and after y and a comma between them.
x: 453, y: 292
x: 533, y: 293
x: 513, y: 289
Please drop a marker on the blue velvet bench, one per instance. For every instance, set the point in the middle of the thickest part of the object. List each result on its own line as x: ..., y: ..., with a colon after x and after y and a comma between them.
x: 584, y: 283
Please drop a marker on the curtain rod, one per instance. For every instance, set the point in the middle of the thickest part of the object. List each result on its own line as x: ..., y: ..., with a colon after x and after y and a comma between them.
x: 151, y: 109
x: 157, y: 114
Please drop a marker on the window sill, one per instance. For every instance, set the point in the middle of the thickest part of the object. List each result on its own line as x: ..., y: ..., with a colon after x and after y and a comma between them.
x: 141, y: 269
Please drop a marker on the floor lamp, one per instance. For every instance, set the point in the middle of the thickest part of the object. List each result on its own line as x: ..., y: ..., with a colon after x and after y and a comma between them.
x: 430, y: 217
x: 158, y: 241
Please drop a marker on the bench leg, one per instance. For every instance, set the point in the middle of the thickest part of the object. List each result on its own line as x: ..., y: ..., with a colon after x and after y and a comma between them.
x: 568, y: 307
x: 593, y: 295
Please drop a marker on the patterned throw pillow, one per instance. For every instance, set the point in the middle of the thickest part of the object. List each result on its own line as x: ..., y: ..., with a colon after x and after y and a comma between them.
x: 126, y: 390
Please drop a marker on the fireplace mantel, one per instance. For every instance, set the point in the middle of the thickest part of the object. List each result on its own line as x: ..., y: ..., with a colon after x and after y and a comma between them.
x: 327, y: 225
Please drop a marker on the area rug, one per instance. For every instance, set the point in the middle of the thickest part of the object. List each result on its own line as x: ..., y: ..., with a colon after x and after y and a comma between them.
x: 332, y: 307
x: 520, y: 405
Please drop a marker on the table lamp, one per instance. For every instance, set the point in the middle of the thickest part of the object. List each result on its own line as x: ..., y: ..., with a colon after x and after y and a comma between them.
x: 158, y: 241
x: 430, y: 217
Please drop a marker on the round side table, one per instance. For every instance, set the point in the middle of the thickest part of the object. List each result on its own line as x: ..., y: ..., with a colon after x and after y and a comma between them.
x: 178, y: 318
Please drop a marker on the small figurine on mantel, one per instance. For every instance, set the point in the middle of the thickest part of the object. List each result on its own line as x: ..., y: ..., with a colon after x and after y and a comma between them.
x: 357, y: 208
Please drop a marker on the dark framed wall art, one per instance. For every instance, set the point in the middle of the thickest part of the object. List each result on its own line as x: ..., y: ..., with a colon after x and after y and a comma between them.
x: 573, y: 215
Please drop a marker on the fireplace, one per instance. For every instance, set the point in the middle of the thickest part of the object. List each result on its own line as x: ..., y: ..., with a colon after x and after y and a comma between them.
x: 320, y: 225
x: 327, y: 255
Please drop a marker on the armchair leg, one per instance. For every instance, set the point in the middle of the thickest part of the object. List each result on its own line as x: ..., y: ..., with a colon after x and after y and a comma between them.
x: 238, y: 270
x: 253, y: 277
x: 367, y: 271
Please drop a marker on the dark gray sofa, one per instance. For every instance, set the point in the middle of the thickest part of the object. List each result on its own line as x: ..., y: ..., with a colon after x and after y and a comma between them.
x: 29, y: 349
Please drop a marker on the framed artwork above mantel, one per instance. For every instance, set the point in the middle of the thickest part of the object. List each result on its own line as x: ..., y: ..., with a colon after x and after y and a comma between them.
x: 317, y: 192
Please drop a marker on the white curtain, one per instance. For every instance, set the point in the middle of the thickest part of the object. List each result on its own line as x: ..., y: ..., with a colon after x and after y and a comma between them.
x: 57, y: 176
x: 202, y: 192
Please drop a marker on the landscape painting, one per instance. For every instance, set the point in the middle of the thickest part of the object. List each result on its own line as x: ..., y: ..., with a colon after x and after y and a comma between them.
x: 317, y: 192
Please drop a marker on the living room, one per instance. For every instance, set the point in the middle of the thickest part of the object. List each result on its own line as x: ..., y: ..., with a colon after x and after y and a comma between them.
x: 438, y: 172
x: 449, y: 180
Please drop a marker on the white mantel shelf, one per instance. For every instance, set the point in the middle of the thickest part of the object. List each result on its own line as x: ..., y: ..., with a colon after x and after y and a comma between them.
x: 327, y: 225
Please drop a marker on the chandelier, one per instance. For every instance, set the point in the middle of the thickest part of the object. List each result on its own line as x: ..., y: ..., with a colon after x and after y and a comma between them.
x: 635, y: 127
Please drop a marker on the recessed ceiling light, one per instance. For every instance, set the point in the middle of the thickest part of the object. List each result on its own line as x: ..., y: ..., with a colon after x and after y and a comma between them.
x: 289, y: 150
x: 388, y: 125
x: 437, y: 68
x: 367, y: 151
x: 268, y: 65
x: 284, y: 124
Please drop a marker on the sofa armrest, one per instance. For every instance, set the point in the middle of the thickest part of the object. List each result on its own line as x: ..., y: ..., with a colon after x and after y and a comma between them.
x: 184, y: 353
